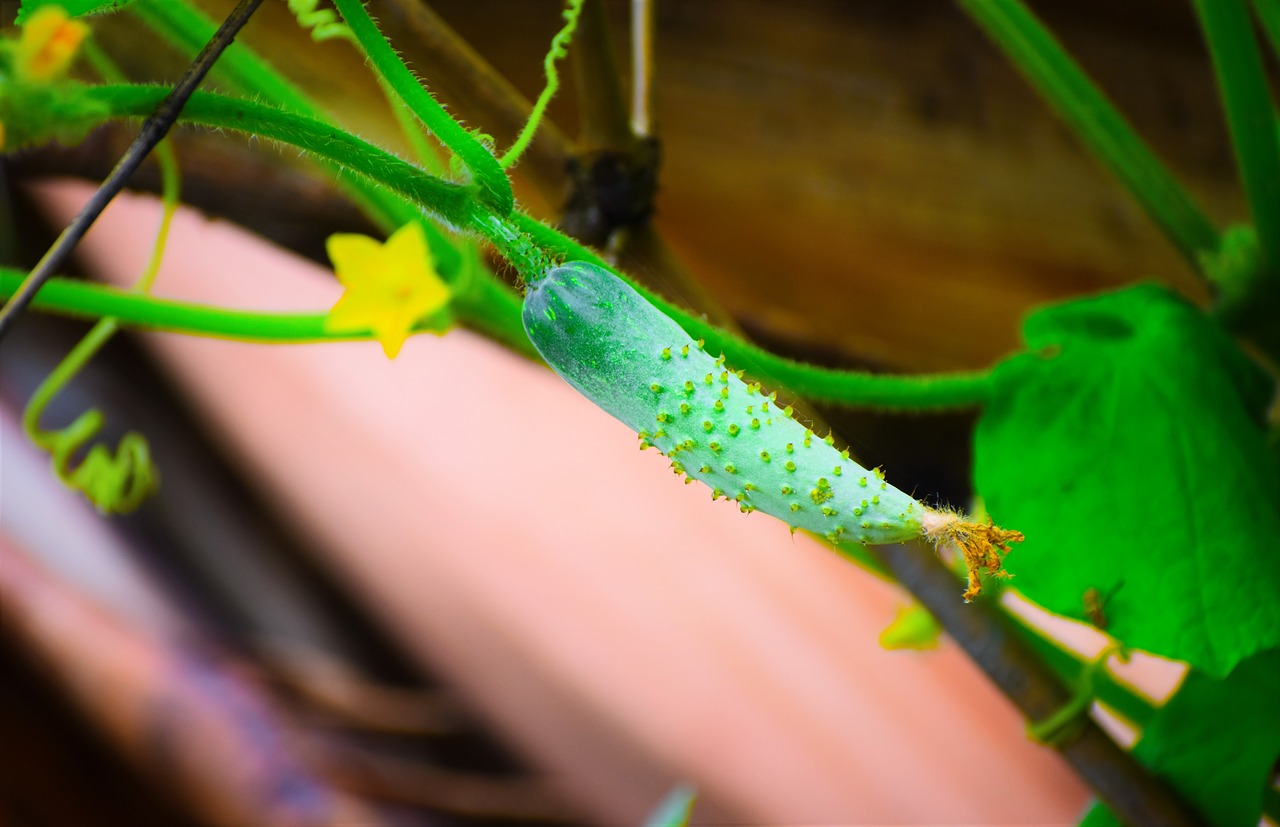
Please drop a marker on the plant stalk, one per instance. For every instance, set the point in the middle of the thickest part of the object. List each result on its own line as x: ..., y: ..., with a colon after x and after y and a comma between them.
x: 1059, y: 79
x: 1242, y: 83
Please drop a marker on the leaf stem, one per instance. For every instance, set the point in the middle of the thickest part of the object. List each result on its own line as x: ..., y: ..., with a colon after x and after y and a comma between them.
x: 1268, y: 12
x: 495, y: 189
x: 1068, y: 90
x: 1251, y: 120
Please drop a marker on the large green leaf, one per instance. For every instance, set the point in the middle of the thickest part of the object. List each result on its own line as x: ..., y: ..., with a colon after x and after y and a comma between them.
x: 1215, y: 742
x: 1128, y: 447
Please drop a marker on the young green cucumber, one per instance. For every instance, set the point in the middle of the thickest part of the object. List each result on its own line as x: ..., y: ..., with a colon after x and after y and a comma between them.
x: 639, y: 365
x: 636, y: 363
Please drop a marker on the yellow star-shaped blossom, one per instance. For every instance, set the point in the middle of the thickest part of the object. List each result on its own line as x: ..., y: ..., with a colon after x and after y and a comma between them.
x: 389, y: 286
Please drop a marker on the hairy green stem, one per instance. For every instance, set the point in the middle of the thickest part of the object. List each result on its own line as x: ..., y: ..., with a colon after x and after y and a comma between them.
x: 529, y: 244
x: 1057, y: 77
x: 1251, y: 119
x: 817, y: 384
x: 240, y: 68
x: 485, y: 304
x: 454, y: 203
x: 495, y: 189
x: 244, y: 71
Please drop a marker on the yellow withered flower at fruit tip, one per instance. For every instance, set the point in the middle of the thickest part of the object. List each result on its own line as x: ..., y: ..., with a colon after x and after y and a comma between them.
x: 390, y: 286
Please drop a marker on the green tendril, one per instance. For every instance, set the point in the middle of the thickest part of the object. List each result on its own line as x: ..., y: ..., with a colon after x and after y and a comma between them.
x: 322, y: 23
x: 115, y: 483
x: 559, y: 48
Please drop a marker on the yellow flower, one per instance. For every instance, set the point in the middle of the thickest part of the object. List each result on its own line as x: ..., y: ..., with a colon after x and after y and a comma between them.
x: 389, y: 287
x: 48, y: 44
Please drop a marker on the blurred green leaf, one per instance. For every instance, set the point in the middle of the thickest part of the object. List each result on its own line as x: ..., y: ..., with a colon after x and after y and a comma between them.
x: 1099, y: 815
x: 75, y: 8
x: 1215, y: 742
x: 1128, y: 446
x: 912, y: 628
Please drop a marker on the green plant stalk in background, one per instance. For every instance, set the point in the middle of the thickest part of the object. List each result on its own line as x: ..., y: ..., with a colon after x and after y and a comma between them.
x: 1251, y: 120
x: 1068, y: 90
x: 187, y: 29
x: 1268, y: 12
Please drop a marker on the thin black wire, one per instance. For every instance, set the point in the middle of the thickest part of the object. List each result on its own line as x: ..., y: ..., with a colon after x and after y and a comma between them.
x: 154, y: 128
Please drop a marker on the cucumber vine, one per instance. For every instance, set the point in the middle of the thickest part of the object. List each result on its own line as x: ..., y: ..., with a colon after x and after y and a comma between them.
x: 1180, y: 563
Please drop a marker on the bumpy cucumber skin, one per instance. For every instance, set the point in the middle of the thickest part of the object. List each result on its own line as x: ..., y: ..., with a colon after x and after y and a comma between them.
x: 639, y: 365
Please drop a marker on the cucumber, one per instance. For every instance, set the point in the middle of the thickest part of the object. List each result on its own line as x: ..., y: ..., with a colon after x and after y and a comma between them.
x: 640, y: 366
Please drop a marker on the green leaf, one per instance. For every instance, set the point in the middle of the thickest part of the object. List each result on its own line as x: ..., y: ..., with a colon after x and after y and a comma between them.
x: 1216, y: 740
x: 1099, y: 815
x: 1128, y: 447
x: 912, y: 628
x: 75, y: 8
